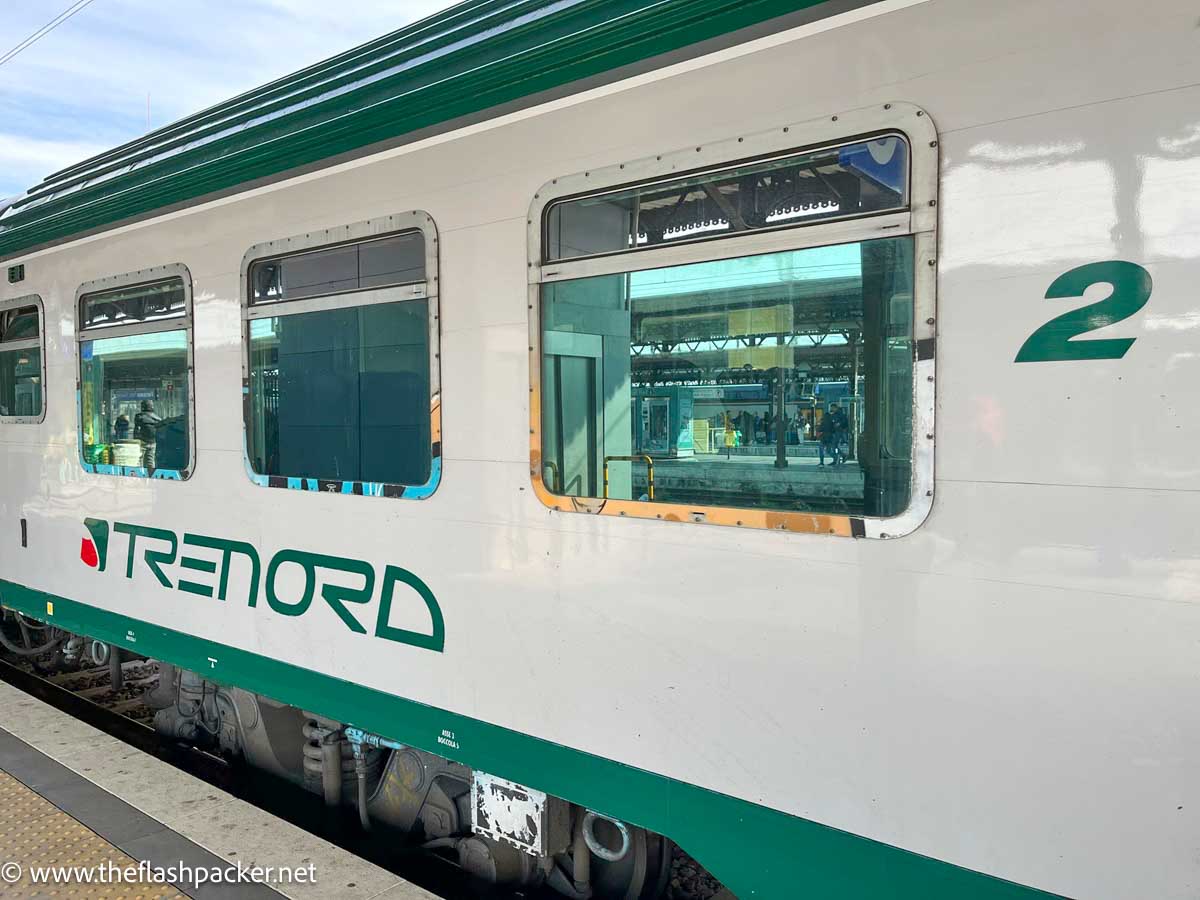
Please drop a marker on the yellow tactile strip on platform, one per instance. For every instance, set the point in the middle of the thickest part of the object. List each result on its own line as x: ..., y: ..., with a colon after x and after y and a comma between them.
x: 35, y: 832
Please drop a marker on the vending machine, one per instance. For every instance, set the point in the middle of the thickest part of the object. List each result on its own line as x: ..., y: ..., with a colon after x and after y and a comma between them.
x: 662, y: 421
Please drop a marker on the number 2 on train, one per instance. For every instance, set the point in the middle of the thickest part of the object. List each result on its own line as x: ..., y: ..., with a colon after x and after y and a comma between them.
x: 1131, y: 286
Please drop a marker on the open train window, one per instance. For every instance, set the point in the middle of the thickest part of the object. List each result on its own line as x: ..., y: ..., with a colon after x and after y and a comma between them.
x: 135, y: 374
x: 742, y: 333
x: 341, y: 360
x: 22, y: 361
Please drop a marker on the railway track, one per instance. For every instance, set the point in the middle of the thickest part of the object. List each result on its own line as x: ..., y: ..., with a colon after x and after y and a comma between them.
x: 87, y: 693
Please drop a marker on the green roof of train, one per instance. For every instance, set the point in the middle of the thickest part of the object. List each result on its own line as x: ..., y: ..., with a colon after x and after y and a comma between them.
x: 475, y: 59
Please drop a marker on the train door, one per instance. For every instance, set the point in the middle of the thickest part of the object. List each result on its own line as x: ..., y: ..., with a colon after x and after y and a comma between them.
x: 572, y: 404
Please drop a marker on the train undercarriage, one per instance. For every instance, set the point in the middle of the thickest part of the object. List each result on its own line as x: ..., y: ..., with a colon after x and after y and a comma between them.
x: 497, y: 831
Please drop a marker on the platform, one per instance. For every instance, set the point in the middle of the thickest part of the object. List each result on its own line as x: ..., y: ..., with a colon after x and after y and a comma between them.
x: 75, y: 798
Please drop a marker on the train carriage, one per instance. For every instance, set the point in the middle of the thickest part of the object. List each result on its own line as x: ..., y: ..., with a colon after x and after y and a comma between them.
x: 564, y: 429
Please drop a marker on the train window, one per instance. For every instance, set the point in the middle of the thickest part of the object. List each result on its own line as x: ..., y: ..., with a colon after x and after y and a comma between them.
x: 846, y: 180
x: 341, y: 367
x: 135, y: 374
x: 382, y: 262
x: 135, y: 305
x: 22, y: 361
x: 764, y: 376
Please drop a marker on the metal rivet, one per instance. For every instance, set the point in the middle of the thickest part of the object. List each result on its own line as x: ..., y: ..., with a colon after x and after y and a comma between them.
x: 740, y: 140
x: 929, y: 493
x: 931, y: 262
x: 786, y: 130
x: 933, y: 143
x: 833, y: 118
x: 658, y: 157
x: 929, y: 321
x: 887, y: 106
x: 920, y: 113
x: 929, y: 437
x: 933, y: 203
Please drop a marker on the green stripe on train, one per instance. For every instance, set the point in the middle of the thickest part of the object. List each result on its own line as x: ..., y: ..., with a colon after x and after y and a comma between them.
x: 757, y: 852
x: 474, y: 60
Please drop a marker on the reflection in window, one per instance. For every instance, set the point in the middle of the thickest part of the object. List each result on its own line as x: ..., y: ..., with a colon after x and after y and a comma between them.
x: 20, y: 363
x: 850, y: 180
x: 781, y: 381
x: 397, y: 259
x: 340, y: 384
x: 134, y: 305
x: 342, y: 394
x: 133, y: 380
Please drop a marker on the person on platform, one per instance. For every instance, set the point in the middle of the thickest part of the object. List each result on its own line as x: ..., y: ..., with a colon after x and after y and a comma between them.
x: 145, y: 428
x: 839, y: 429
x: 832, y: 425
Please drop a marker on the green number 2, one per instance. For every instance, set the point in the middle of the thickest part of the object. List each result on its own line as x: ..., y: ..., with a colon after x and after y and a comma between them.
x: 1131, y: 286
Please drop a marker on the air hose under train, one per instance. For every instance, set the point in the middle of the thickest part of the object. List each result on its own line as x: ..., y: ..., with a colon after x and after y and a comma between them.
x: 56, y: 638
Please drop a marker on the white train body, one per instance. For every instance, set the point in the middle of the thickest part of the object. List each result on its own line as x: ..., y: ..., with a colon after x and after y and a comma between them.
x: 1008, y: 688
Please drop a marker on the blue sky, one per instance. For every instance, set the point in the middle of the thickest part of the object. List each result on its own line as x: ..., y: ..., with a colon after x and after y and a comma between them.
x: 82, y: 88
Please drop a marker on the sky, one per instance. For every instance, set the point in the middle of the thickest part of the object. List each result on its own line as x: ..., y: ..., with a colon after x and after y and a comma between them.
x: 82, y: 88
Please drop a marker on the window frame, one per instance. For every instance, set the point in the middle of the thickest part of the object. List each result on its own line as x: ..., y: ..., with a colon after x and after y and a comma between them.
x: 673, y: 176
x: 183, y: 323
x: 16, y: 303
x: 356, y: 233
x: 919, y: 220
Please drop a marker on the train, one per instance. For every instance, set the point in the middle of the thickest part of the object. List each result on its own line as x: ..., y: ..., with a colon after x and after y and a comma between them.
x: 392, y: 408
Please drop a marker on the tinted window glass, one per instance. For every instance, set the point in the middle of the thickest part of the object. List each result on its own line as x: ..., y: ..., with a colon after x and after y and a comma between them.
x: 342, y: 394
x: 21, y: 382
x: 398, y: 259
x: 854, y: 179
x: 134, y: 401
x: 20, y: 324
x: 20, y: 363
x: 781, y: 381
x: 134, y: 305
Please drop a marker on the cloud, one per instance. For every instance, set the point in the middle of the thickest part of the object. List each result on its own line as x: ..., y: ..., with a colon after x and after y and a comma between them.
x: 83, y: 88
x: 25, y: 160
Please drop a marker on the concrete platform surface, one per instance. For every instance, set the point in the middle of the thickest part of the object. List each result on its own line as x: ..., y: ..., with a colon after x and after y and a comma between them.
x: 74, y: 796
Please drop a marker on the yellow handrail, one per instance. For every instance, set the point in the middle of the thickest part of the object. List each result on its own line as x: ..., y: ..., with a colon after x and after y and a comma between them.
x: 650, y: 471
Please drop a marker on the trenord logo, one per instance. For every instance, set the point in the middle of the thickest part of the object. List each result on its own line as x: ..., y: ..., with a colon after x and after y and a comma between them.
x: 221, y: 567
